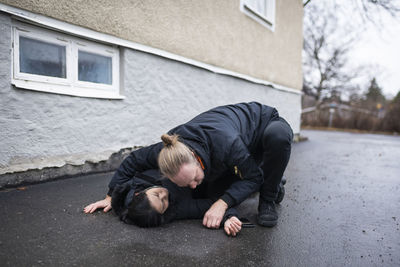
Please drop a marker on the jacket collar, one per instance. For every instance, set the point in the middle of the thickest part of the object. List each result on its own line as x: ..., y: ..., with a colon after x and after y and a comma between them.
x: 202, y: 151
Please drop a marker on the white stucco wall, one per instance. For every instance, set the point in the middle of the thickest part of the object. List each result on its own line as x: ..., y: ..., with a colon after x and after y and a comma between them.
x: 42, y: 129
x: 208, y: 31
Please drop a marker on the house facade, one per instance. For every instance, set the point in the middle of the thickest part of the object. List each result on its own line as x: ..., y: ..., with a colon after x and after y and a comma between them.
x: 81, y: 80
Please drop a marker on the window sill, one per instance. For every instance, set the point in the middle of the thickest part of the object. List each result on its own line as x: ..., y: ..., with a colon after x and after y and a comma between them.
x: 267, y: 20
x: 259, y: 18
x: 66, y: 90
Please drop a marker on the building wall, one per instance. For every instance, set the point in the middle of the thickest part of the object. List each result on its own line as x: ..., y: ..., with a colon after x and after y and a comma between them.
x: 214, y: 32
x: 42, y: 129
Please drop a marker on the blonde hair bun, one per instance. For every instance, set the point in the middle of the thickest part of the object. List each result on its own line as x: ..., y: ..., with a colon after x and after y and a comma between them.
x: 169, y: 140
x: 173, y: 155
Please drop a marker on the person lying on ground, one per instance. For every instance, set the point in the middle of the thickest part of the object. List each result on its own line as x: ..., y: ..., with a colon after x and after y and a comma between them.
x: 147, y: 200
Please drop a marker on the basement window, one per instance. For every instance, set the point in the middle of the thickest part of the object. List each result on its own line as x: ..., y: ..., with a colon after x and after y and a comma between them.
x: 54, y: 62
x: 262, y: 11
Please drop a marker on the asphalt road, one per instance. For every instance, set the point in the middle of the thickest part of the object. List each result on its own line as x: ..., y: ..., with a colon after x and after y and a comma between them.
x: 342, y: 208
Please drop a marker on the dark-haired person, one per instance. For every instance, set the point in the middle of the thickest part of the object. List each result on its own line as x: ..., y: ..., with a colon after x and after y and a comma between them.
x: 147, y: 200
x: 249, y: 141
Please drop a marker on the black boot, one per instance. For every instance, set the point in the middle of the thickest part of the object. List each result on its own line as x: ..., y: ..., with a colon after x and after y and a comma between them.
x: 281, y: 193
x: 267, y: 215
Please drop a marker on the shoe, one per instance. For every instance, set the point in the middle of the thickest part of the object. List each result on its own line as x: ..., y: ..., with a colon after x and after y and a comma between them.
x: 281, y: 193
x: 267, y: 215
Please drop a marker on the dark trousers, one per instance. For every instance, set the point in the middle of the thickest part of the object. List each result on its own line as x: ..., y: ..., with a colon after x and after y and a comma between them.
x: 276, y: 141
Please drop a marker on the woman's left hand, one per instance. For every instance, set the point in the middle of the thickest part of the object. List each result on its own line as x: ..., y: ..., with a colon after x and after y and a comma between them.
x: 232, y: 226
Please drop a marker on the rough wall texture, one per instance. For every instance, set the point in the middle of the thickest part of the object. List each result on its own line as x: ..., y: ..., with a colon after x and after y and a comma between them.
x: 214, y: 32
x: 42, y: 129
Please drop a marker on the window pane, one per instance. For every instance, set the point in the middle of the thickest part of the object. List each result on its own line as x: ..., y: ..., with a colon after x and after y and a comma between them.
x: 41, y: 58
x: 94, y: 68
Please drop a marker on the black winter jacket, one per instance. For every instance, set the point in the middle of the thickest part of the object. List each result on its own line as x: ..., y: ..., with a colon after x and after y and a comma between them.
x: 228, y: 141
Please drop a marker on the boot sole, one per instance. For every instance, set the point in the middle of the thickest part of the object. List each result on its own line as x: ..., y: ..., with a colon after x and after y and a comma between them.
x: 267, y: 223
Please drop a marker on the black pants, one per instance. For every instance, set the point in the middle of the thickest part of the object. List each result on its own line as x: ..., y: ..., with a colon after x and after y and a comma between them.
x: 277, y: 140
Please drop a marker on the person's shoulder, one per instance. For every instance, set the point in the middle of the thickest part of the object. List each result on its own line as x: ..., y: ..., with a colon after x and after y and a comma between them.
x: 145, y: 149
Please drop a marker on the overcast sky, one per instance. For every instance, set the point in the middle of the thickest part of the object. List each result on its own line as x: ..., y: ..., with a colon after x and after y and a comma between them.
x: 381, y: 46
x: 378, y: 45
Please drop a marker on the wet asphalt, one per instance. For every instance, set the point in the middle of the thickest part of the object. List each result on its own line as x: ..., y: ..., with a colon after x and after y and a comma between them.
x: 342, y: 208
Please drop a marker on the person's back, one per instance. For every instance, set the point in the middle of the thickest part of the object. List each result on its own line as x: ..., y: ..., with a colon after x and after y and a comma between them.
x: 222, y: 125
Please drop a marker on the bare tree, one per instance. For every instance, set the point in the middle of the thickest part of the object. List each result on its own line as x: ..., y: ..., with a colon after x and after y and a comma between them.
x: 368, y: 6
x: 328, y: 40
x: 331, y: 30
x: 326, y: 47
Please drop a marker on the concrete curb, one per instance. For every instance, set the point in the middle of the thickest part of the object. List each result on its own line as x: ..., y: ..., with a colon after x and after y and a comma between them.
x: 33, y: 176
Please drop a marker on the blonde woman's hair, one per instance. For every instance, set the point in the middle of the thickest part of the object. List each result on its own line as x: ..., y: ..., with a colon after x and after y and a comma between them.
x: 173, y: 155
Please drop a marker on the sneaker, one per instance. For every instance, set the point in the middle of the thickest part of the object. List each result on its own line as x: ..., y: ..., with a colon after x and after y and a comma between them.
x: 267, y: 215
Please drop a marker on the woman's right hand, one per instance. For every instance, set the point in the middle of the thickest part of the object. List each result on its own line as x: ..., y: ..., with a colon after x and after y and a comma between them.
x: 105, y: 203
x: 232, y: 226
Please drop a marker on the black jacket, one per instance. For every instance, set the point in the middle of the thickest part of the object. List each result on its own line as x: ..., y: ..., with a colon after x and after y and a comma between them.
x: 228, y: 141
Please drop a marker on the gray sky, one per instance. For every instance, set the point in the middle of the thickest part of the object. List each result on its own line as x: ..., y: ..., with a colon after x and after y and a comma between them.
x: 378, y: 46
x: 381, y: 46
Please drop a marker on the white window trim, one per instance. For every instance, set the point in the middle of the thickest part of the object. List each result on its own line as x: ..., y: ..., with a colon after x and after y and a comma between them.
x: 268, y: 20
x: 70, y: 85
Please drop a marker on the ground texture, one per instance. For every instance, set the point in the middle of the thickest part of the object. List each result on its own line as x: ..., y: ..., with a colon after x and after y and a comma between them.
x: 342, y: 207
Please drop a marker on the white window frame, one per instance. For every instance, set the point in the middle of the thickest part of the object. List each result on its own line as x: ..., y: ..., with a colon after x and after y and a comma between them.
x: 267, y: 20
x: 69, y: 85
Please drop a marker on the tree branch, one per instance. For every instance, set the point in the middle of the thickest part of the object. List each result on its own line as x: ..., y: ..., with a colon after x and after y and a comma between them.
x: 308, y: 1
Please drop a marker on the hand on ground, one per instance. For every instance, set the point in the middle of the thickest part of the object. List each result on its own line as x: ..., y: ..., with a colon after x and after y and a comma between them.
x: 104, y: 204
x: 232, y: 226
x: 214, y: 215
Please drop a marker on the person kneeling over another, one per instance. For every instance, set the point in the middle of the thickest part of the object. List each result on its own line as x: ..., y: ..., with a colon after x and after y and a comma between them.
x: 248, y: 140
x: 248, y: 143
